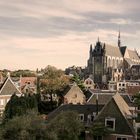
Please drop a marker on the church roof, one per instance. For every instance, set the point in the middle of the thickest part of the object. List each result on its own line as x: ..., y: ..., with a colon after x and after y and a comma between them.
x: 133, y: 54
x: 112, y: 50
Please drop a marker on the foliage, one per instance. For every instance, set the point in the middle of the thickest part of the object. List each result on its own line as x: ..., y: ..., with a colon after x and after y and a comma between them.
x: 137, y: 103
x: 24, y: 73
x: 98, y: 129
x: 78, y: 81
x: 137, y: 99
x: 30, y: 126
x: 66, y: 126
x: 18, y: 106
x: 53, y: 80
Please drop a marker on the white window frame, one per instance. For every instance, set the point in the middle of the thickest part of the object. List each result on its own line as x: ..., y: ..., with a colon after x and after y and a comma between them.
x: 110, y: 119
x: 1, y: 101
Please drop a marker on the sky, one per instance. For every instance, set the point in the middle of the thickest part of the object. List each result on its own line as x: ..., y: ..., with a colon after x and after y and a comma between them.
x: 37, y: 33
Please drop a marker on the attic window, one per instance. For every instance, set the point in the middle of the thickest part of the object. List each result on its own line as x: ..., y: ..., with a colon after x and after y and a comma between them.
x: 110, y: 123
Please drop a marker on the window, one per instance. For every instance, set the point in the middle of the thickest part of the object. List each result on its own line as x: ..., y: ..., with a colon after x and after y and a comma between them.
x: 90, y: 118
x: 110, y: 123
x: 123, y: 85
x: 98, y: 137
x: 1, y: 112
x: 81, y: 117
x: 121, y: 138
x: 1, y: 102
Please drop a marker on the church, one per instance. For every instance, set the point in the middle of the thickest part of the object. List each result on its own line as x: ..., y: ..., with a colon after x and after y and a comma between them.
x: 107, y: 62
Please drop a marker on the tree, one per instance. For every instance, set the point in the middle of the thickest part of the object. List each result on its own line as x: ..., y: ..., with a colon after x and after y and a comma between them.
x: 18, y: 106
x: 78, y: 81
x: 53, y: 82
x: 98, y: 130
x: 66, y: 126
x: 30, y: 126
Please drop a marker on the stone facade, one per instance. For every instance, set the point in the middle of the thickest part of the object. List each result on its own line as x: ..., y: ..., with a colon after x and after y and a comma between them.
x: 107, y: 62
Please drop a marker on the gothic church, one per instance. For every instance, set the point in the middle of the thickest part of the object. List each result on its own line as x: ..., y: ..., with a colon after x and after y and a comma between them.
x: 107, y: 62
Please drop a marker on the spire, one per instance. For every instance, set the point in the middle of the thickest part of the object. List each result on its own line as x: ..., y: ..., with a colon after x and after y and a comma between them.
x: 90, y: 47
x: 90, y: 51
x: 119, y: 40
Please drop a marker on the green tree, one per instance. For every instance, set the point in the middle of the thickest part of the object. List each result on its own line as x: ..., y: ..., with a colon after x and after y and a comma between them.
x: 66, y: 126
x: 30, y: 126
x: 18, y: 106
x: 98, y: 130
x: 78, y: 81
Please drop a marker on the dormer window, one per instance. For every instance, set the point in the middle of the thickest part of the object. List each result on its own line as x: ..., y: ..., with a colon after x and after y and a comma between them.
x: 110, y: 123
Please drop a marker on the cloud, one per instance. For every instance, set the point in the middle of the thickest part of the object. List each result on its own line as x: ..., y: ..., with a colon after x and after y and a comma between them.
x: 36, y: 33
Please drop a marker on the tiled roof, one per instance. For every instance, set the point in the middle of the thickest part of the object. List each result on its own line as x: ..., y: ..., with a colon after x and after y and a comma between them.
x: 25, y: 80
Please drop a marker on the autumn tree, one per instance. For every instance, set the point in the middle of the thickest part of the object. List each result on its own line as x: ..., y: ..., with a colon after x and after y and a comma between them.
x: 53, y: 82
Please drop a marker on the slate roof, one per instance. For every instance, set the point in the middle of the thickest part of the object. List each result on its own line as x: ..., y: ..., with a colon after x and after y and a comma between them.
x: 118, y: 109
x: 8, y: 88
x: 104, y: 98
x: 80, y: 109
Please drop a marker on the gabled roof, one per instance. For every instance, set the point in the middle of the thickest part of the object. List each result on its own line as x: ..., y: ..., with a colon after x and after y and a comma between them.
x: 122, y: 105
x: 74, y: 89
x: 118, y: 109
x: 9, y: 88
